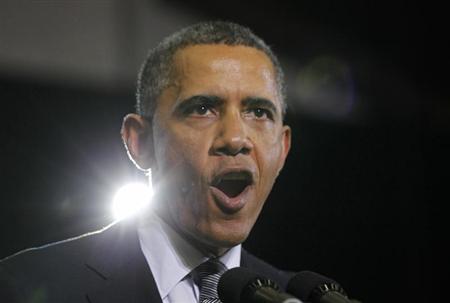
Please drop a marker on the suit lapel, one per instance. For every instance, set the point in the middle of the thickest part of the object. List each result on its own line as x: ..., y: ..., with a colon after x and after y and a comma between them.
x: 119, y: 270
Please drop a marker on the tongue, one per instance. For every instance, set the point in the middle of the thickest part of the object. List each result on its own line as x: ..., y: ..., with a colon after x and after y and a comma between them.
x: 232, y: 188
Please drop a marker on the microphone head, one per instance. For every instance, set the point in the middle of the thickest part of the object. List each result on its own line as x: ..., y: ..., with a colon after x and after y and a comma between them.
x: 238, y: 283
x: 310, y: 286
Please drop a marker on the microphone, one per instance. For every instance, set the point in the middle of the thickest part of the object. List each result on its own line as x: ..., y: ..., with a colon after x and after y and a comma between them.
x: 315, y: 288
x: 240, y: 285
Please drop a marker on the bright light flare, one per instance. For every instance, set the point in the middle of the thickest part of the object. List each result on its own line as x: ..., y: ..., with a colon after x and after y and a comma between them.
x: 130, y: 200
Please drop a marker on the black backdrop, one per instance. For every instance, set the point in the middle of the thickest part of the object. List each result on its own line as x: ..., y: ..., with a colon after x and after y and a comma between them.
x: 353, y: 202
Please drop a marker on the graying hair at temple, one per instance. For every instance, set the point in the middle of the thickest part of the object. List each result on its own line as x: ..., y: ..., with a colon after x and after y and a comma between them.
x: 155, y: 73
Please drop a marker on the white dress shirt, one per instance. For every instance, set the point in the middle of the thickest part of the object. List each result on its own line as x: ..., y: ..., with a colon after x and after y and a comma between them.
x: 171, y: 259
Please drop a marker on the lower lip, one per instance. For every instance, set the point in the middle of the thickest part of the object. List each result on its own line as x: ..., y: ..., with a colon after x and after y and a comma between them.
x: 230, y: 204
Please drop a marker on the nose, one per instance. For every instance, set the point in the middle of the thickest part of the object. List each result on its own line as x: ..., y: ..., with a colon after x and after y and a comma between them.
x: 232, y: 138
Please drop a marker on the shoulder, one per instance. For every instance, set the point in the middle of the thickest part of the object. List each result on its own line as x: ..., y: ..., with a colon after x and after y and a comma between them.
x: 265, y: 269
x: 61, y: 267
x: 53, y: 256
x: 49, y: 253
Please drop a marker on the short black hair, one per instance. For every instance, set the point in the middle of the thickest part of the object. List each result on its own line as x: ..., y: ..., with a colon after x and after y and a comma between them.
x: 155, y: 73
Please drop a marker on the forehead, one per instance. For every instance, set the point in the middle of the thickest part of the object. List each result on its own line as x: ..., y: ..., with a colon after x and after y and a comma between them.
x: 217, y: 51
x: 226, y: 65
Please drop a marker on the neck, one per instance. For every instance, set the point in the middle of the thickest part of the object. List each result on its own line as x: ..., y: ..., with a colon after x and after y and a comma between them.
x: 207, y: 250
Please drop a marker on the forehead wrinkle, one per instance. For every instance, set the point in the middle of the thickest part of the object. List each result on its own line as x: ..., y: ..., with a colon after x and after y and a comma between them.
x: 224, y: 57
x: 187, y: 68
x: 193, y: 64
x: 232, y: 65
x: 177, y: 74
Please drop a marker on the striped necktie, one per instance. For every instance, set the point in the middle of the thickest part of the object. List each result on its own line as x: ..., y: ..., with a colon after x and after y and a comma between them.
x: 207, y: 277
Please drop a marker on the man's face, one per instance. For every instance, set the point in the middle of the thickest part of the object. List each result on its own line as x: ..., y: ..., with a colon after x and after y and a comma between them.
x: 219, y: 143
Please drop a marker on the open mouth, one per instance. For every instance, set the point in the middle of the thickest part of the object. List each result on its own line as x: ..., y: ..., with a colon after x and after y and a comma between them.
x: 233, y: 184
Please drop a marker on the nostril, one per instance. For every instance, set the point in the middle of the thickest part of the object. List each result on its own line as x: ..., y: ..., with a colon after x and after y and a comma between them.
x: 231, y: 141
x: 229, y: 151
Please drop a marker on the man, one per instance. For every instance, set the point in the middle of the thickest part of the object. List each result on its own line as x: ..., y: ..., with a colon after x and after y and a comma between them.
x: 209, y: 127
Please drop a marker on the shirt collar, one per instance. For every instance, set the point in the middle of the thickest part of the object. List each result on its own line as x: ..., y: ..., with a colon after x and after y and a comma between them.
x: 170, y: 257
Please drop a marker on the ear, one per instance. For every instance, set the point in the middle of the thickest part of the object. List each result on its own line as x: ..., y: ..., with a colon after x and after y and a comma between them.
x: 285, y: 146
x: 138, y: 139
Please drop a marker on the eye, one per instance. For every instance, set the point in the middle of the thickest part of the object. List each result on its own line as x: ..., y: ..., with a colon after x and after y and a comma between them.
x: 199, y: 110
x: 260, y: 113
x: 198, y: 106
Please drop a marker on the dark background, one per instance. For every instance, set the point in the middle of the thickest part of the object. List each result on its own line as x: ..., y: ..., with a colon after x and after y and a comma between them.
x: 356, y: 200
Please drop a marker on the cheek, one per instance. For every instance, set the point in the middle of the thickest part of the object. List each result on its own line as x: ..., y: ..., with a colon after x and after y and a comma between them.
x: 190, y: 149
x: 268, y: 157
x: 179, y: 163
x: 181, y: 154
x: 267, y: 142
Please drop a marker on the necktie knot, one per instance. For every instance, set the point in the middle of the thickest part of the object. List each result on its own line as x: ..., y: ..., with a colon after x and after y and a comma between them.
x: 207, y: 277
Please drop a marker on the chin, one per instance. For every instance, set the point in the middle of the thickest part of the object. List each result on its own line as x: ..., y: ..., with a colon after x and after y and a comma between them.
x: 224, y: 238
x: 230, y: 240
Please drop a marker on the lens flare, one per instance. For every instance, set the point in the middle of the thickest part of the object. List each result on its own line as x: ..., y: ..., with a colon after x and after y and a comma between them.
x: 325, y: 88
x: 130, y: 200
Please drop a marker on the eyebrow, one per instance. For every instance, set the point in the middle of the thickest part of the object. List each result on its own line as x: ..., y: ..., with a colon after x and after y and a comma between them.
x: 260, y: 102
x: 208, y: 100
x: 215, y: 101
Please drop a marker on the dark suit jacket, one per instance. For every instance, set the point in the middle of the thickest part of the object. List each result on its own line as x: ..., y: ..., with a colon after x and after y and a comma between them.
x: 101, y: 267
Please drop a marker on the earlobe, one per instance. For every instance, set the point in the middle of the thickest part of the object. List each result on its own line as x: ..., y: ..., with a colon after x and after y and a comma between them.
x: 137, y: 138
